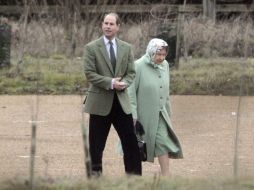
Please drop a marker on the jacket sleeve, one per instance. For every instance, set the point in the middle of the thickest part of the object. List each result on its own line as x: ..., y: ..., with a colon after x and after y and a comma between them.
x: 130, y: 71
x: 132, y: 91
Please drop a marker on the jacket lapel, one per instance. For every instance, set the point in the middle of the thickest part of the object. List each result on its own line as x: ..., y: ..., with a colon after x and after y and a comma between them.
x: 103, y: 50
x: 120, y: 53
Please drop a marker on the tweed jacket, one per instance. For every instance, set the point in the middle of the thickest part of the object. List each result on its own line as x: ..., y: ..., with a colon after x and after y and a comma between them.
x: 99, y: 73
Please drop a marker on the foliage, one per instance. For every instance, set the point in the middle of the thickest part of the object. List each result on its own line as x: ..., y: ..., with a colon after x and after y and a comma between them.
x: 231, y: 37
x: 5, y: 43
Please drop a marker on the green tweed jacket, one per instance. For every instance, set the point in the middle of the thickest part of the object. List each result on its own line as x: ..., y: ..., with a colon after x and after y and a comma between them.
x: 99, y: 73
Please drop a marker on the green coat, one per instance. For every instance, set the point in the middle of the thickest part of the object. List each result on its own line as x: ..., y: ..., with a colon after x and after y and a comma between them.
x: 99, y: 73
x: 149, y: 96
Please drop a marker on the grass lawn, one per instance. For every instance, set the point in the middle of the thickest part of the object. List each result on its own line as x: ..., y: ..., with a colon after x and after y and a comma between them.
x: 59, y: 75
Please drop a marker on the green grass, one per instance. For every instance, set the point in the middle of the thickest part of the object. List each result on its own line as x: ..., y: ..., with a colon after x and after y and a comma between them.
x: 59, y: 75
x: 133, y: 183
x: 222, y: 76
x: 56, y: 75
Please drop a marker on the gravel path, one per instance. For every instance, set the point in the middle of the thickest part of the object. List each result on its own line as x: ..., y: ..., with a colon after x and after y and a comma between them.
x: 205, y: 126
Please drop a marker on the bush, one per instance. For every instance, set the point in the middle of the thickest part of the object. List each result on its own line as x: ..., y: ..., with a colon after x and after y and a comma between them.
x: 225, y: 38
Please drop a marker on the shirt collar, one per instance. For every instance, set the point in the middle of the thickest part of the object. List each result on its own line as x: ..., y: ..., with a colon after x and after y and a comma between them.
x: 106, y: 41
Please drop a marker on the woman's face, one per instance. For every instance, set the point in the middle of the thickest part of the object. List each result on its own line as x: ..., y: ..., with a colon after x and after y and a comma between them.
x: 160, y: 56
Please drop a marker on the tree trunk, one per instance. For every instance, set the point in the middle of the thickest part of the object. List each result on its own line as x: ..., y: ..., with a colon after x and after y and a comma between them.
x: 71, y: 18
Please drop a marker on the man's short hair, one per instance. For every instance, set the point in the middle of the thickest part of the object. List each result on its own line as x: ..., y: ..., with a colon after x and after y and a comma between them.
x: 118, y: 21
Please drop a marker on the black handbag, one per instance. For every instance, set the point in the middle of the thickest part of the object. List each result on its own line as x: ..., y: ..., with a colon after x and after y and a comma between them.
x: 142, y: 150
x: 139, y: 130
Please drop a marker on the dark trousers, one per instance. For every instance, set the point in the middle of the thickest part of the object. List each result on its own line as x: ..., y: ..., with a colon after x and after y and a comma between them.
x: 99, y: 127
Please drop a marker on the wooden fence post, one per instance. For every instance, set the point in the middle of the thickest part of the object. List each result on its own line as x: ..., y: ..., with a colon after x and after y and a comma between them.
x: 178, y: 38
x: 180, y: 21
x: 209, y: 9
x: 71, y: 17
x: 85, y: 137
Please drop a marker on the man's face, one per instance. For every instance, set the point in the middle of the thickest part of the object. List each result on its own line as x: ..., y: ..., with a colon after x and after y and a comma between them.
x: 109, y: 26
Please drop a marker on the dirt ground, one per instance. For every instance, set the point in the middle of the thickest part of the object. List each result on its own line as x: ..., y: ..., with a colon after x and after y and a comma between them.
x: 205, y: 125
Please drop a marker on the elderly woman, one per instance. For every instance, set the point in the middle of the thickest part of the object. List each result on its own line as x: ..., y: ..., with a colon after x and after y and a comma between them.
x: 150, y: 103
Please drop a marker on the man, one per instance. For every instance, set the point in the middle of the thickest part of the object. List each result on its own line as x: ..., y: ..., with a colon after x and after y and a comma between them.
x: 109, y: 69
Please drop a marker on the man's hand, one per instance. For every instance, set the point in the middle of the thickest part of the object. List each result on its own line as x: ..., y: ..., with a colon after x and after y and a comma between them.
x: 118, y: 84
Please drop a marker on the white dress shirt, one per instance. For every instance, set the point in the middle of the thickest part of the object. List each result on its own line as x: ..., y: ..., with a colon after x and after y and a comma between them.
x: 107, y: 44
